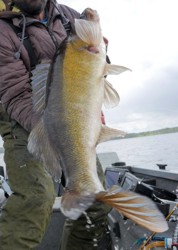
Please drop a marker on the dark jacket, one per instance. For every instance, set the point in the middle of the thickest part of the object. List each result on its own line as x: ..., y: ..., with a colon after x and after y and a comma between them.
x: 15, y: 87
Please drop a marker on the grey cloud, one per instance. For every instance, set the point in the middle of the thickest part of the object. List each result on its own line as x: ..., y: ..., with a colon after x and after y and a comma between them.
x: 156, y: 101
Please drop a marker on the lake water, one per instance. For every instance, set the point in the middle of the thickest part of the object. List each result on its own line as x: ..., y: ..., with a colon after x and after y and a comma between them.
x: 146, y: 151
x: 143, y: 151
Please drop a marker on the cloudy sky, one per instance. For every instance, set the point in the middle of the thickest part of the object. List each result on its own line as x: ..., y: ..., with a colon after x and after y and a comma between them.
x: 143, y: 35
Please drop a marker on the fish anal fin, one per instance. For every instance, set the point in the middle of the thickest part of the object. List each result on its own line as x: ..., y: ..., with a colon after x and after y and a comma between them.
x: 108, y: 133
x: 138, y: 208
x: 73, y: 204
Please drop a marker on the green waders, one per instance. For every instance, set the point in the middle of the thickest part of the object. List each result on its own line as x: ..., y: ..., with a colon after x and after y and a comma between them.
x: 26, y: 213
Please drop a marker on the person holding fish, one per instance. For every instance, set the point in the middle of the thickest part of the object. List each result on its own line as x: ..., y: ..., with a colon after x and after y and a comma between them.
x: 51, y: 124
x: 26, y: 214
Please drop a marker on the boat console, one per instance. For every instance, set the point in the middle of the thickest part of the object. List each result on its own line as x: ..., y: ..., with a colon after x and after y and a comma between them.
x: 158, y: 186
x: 123, y: 177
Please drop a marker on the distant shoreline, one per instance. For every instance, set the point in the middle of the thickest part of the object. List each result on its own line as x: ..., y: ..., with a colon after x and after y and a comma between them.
x: 150, y: 133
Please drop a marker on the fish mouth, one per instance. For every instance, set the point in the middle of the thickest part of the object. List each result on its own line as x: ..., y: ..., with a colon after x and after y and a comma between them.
x: 93, y: 49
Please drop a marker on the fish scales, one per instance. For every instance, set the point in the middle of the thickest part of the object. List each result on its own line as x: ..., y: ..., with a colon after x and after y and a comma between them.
x: 83, y: 111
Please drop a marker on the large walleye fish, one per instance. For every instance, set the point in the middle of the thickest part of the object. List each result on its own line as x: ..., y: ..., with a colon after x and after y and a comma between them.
x: 68, y: 96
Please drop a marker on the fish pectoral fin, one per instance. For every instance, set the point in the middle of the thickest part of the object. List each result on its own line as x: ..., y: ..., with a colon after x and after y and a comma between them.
x: 111, y: 97
x: 138, y: 208
x: 112, y: 69
x: 108, y: 133
x: 73, y: 204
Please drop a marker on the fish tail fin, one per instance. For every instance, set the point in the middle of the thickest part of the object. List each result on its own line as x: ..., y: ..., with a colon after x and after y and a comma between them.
x: 73, y: 204
x: 138, y: 208
x: 88, y: 31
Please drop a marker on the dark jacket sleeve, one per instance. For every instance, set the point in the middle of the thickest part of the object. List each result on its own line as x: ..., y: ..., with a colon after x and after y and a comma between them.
x: 15, y: 89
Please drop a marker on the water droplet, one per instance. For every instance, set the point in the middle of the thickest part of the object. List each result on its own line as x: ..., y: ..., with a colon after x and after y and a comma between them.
x: 57, y: 180
x: 88, y: 218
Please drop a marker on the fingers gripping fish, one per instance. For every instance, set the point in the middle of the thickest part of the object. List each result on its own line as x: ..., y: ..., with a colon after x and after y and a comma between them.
x: 68, y: 95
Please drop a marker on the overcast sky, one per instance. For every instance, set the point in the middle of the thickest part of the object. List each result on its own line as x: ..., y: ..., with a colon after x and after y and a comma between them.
x: 143, y: 36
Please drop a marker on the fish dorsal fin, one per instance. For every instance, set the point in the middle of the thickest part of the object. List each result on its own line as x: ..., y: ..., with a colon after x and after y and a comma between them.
x: 39, y: 81
x: 112, y: 69
x: 111, y: 97
x: 88, y: 31
x: 108, y: 133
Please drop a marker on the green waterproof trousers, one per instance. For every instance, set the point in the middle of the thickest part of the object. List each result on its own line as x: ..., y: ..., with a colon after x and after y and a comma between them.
x: 26, y: 214
x: 27, y: 211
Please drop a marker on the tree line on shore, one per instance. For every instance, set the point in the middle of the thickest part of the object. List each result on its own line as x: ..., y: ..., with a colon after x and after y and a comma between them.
x: 154, y: 132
